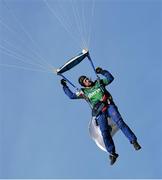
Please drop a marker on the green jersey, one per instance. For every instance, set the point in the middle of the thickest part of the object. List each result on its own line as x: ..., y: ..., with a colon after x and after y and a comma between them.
x: 96, y: 92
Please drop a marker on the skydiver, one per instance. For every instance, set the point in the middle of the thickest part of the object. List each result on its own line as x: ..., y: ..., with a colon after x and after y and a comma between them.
x: 103, y: 106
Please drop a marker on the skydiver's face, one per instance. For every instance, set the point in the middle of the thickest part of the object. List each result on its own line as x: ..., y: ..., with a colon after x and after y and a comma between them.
x: 87, y: 82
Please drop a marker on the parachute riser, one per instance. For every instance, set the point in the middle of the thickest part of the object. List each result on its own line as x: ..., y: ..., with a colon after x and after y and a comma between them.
x: 98, y: 78
x: 68, y: 81
x: 88, y: 56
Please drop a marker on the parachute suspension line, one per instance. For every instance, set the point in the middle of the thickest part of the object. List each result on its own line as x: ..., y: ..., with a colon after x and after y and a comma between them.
x: 19, y: 57
x: 28, y: 35
x: 84, y: 26
x: 6, y: 26
x: 61, y: 22
x: 71, y: 27
x: 23, y: 68
x: 90, y: 26
x: 12, y: 31
x: 84, y: 29
x: 78, y: 23
x: 23, y: 55
x: 64, y: 17
x: 75, y: 17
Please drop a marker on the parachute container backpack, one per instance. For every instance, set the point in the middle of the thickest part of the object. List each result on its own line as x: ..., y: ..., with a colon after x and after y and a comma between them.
x: 94, y: 130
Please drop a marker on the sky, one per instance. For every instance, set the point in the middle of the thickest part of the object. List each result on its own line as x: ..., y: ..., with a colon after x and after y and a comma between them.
x: 44, y: 134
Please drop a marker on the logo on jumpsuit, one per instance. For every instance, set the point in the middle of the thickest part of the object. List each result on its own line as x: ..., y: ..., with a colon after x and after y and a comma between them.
x: 94, y: 93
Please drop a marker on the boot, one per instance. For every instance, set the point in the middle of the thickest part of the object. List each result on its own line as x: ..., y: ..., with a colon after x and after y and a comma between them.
x: 113, y: 158
x: 136, y: 145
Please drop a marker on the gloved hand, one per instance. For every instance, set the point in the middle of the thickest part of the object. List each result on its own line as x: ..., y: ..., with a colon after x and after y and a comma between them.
x: 63, y: 82
x: 99, y: 70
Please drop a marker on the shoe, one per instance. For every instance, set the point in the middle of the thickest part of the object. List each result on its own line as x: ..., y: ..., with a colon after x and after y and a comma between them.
x: 113, y: 158
x: 136, y: 145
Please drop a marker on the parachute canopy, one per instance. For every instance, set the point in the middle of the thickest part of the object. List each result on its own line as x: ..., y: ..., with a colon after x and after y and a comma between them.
x: 73, y: 62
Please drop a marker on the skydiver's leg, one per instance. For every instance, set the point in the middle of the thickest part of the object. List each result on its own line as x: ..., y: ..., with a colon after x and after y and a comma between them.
x: 116, y: 117
x: 108, y: 141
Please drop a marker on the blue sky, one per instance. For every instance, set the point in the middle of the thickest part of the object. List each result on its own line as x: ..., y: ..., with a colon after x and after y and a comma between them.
x: 43, y: 134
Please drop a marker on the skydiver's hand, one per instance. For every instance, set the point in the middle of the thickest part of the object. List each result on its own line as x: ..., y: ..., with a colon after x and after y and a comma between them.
x: 99, y: 70
x: 63, y: 82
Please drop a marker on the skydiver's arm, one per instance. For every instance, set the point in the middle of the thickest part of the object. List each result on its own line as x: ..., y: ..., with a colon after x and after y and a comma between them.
x: 69, y: 93
x: 72, y: 95
x: 109, y: 77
